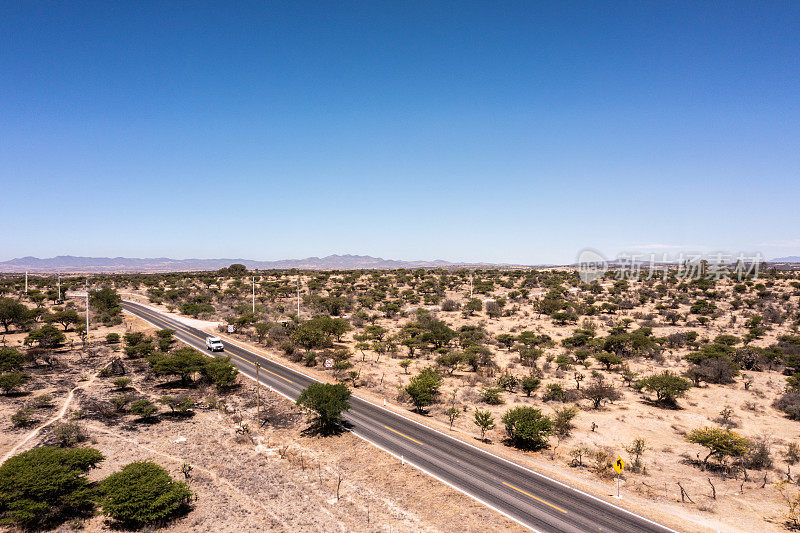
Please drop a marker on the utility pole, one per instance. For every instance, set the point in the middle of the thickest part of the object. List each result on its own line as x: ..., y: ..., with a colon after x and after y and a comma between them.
x: 59, y: 287
x: 258, y: 398
x: 26, y: 282
x: 298, y: 297
x: 87, y: 311
x: 470, y: 285
x: 254, y: 295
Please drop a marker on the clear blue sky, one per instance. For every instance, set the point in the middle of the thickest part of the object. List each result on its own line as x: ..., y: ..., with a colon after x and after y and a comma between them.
x: 513, y: 132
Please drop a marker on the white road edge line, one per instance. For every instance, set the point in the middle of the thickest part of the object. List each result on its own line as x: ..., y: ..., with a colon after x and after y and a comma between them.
x: 420, y: 424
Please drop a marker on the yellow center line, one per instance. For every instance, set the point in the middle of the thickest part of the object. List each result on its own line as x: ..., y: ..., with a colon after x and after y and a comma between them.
x: 534, y: 497
x: 404, y: 435
x: 223, y: 351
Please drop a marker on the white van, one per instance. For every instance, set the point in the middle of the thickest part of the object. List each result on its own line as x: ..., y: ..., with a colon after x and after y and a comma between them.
x: 214, y: 344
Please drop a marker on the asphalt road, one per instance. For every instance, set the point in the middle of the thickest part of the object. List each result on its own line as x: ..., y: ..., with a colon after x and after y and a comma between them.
x: 529, y: 498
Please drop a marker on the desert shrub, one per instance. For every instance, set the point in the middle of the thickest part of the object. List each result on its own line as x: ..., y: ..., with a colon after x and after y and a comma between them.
x: 11, y: 381
x: 789, y: 403
x: 527, y: 427
x: 759, y: 454
x: 449, y: 305
x: 220, y: 371
x: 178, y: 404
x: 43, y: 401
x: 143, y: 493
x: 554, y: 392
x: 719, y: 442
x: 23, y: 417
x: 562, y: 420
x: 106, y: 303
x: 42, y: 487
x: 144, y: 408
x: 10, y: 360
x: 182, y: 363
x: 530, y: 384
x: 67, y: 434
x: 666, y: 385
x: 122, y: 383
x: 600, y: 391
x: 507, y: 382
x: 113, y: 338
x: 491, y: 395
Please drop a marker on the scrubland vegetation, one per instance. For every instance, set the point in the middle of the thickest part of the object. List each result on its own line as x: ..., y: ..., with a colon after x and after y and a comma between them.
x: 696, y: 383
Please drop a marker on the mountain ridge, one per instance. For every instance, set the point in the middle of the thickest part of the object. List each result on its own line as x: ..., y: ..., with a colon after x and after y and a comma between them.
x: 69, y: 263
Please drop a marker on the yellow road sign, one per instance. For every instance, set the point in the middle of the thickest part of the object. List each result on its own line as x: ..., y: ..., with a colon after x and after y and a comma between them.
x: 619, y: 465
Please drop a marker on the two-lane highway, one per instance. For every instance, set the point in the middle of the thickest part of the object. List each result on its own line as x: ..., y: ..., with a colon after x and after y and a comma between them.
x: 529, y: 498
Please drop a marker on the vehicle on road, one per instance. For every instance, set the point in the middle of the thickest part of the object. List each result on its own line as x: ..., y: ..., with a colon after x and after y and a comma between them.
x: 214, y: 344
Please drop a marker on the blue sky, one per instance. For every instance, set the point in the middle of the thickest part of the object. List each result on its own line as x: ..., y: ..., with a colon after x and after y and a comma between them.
x: 510, y: 132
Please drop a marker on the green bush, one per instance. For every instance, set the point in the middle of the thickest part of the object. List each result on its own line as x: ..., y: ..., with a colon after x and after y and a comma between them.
x: 527, y: 427
x: 48, y: 336
x: 530, y: 384
x: 10, y: 381
x: 10, y: 360
x: 122, y: 383
x: 144, y: 408
x: 491, y: 395
x: 554, y: 392
x: 112, y: 338
x: 23, y: 417
x: 42, y: 487
x: 424, y: 388
x: 143, y: 493
x: 328, y: 402
x: 221, y: 372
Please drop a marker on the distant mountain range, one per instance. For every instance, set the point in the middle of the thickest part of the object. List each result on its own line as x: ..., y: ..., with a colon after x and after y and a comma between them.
x: 68, y: 263
x: 787, y: 259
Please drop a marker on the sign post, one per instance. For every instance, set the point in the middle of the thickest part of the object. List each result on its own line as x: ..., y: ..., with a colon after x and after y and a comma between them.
x: 619, y: 465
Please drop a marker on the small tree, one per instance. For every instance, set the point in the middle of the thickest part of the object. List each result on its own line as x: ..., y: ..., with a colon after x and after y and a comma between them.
x: 599, y: 391
x: 473, y: 305
x: 452, y: 413
x: 328, y: 402
x: 48, y: 336
x: 637, y: 449
x: 484, y: 420
x: 666, y: 385
x: 183, y: 362
x: 719, y: 442
x: 527, y: 427
x: 41, y: 487
x: 562, y: 420
x: 12, y: 312
x: 10, y: 360
x: 66, y: 318
x: 424, y: 388
x: 609, y: 359
x: 179, y: 404
x: 143, y: 493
